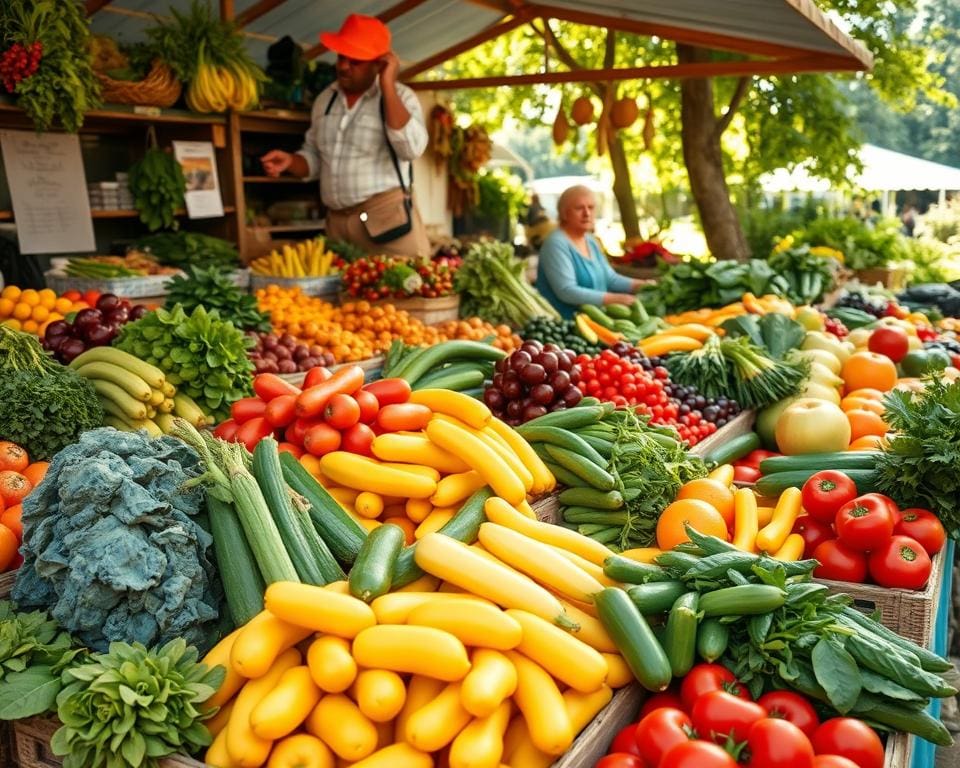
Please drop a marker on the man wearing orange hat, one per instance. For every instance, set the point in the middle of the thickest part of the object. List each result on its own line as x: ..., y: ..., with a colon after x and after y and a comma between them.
x: 362, y: 128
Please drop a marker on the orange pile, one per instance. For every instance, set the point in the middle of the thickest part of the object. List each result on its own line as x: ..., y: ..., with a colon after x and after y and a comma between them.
x: 475, y: 329
x: 32, y: 311
x: 18, y: 477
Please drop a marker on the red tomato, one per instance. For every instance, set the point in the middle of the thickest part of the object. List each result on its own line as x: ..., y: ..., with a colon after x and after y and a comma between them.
x: 778, y: 743
x: 91, y: 297
x: 403, y: 417
x: 296, y: 450
x: 718, y: 714
x: 226, y: 430
x: 840, y: 563
x: 866, y: 523
x: 358, y: 439
x: 620, y: 760
x: 890, y: 341
x: 744, y: 474
x: 661, y: 730
x: 321, y: 439
x: 626, y: 740
x: 341, y: 411
x: 833, y: 761
x: 704, y: 678
x: 670, y: 699
x: 754, y: 458
x: 850, y: 738
x: 923, y: 527
x: 344, y: 381
x: 296, y: 431
x: 901, y: 562
x: 281, y: 411
x: 697, y: 754
x: 369, y: 406
x: 825, y: 492
x: 268, y: 386
x: 253, y: 431
x: 247, y: 408
x: 389, y: 391
x: 813, y: 531
x: 315, y: 376
x: 792, y: 707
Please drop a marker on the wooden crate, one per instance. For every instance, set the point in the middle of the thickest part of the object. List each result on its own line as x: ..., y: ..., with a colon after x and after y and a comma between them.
x: 6, y: 585
x: 430, y: 311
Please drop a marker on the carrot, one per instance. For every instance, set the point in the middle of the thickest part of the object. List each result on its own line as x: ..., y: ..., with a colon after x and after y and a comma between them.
x: 312, y: 401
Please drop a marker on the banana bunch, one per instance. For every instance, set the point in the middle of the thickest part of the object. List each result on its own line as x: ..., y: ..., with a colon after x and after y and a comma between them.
x: 217, y: 88
x: 134, y: 394
x: 308, y: 258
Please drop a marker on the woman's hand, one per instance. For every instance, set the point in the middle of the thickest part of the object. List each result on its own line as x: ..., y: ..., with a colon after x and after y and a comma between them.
x: 618, y: 298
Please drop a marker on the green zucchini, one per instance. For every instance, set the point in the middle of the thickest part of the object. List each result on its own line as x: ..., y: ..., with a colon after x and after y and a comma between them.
x: 581, y: 515
x: 773, y: 485
x: 308, y: 552
x: 463, y: 526
x: 733, y: 449
x: 417, y: 365
x: 242, y: 583
x: 656, y: 596
x: 601, y: 445
x: 455, y: 380
x: 562, y: 438
x: 597, y: 315
x: 605, y: 534
x: 583, y: 467
x: 582, y: 415
x: 564, y: 476
x: 744, y: 600
x: 372, y: 572
x: 618, y: 312
x: 628, y: 571
x: 342, y: 533
x: 634, y: 638
x: 681, y: 634
x: 591, y: 497
x: 842, y: 460
x: 712, y: 639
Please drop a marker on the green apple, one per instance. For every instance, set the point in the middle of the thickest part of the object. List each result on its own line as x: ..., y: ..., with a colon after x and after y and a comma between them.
x: 809, y: 318
x: 812, y: 426
x: 767, y: 421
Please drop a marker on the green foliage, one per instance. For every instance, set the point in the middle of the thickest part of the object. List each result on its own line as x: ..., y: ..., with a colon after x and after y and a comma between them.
x: 863, y: 247
x: 763, y: 227
x: 941, y: 222
x: 926, y: 261
x: 501, y: 195
x: 694, y: 284
x: 133, y: 706
x: 202, y: 355
x: 158, y: 187
x: 212, y: 288
x: 806, y: 276
x: 182, y: 249
x: 64, y: 85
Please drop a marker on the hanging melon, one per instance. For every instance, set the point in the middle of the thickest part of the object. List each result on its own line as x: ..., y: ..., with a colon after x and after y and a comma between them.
x: 582, y: 111
x: 561, y: 128
x: 624, y: 113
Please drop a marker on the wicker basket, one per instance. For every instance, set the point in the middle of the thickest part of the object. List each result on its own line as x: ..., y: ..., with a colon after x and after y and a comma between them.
x: 158, y: 89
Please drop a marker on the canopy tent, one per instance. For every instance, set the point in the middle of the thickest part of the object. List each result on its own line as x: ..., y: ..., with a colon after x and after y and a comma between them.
x: 770, y: 36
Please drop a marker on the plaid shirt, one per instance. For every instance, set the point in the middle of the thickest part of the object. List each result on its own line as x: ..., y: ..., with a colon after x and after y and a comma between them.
x: 347, y: 151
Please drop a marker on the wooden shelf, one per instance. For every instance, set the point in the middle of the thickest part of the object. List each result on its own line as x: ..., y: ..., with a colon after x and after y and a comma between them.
x: 120, y: 213
x: 279, y: 180
x: 112, y: 113
x: 302, y: 227
x: 279, y: 121
x: 6, y: 215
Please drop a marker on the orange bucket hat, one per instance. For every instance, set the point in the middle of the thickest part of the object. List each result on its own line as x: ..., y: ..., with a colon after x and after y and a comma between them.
x: 363, y: 38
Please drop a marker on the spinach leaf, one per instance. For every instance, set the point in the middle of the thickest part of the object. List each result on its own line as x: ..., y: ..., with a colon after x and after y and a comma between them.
x: 837, y: 673
x: 780, y: 334
x: 28, y: 693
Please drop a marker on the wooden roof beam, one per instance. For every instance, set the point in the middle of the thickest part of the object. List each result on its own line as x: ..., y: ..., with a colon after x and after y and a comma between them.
x: 92, y: 6
x: 257, y: 10
x: 404, y: 6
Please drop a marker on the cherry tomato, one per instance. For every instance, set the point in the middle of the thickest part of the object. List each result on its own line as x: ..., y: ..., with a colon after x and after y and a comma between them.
x: 922, y: 526
x: 778, y: 743
x: 369, y: 405
x: 704, y: 678
x: 833, y: 761
x: 813, y: 531
x: 889, y: 341
x: 321, y: 439
x: 341, y: 412
x: 296, y: 431
x: 247, y: 408
x: 626, y: 740
x: 825, y: 492
x: 358, y: 439
x: 389, y: 391
x: 669, y: 699
x: 850, y: 738
x: 347, y: 380
x: 697, y: 754
x: 744, y: 474
x: 281, y: 411
x: 754, y: 458
x: 661, y: 730
x: 268, y: 386
x: 296, y: 450
x: 792, y: 707
x: 620, y: 760
x: 718, y: 714
x: 316, y: 375
x: 840, y: 563
x: 866, y: 523
x: 253, y: 431
x: 901, y: 562
x: 226, y: 430
x: 399, y: 417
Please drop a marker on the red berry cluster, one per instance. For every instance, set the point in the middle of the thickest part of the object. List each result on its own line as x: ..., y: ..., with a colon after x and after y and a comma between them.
x: 437, y: 276
x: 18, y: 63
x: 365, y: 278
x: 834, y: 326
x: 926, y: 333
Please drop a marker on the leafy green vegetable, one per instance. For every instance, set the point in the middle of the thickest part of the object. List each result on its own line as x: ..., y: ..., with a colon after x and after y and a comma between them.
x: 775, y: 333
x: 201, y: 354
x: 183, y: 249
x: 43, y: 406
x: 491, y: 285
x: 803, y: 276
x: 213, y: 289
x: 133, y: 706
x: 158, y: 187
x: 921, y: 464
x: 402, y: 278
x: 863, y: 247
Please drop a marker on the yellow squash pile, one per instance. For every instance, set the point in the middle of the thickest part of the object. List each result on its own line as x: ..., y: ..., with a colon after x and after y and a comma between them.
x: 308, y: 258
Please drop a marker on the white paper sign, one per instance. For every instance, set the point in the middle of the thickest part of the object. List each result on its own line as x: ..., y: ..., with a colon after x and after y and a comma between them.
x: 49, y: 191
x: 199, y: 164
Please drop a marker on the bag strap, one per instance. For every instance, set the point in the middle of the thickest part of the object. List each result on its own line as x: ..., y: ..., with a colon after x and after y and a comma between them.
x: 386, y: 138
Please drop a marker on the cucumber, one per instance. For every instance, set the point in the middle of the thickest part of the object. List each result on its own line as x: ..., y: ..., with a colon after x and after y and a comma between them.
x: 657, y: 596
x: 733, y: 449
x: 745, y: 600
x: 628, y: 571
x: 583, y: 467
x: 634, y: 638
x: 581, y: 515
x: 597, y: 315
x: 243, y: 585
x: 372, y: 572
x: 842, y: 460
x: 342, y: 533
x: 570, y: 418
x: 712, y: 639
x: 618, y: 311
x: 680, y: 639
x: 564, y: 476
x: 463, y: 526
x: 773, y: 485
x: 591, y: 497
x: 600, y: 444
x: 563, y: 438
x: 456, y: 380
x: 417, y: 365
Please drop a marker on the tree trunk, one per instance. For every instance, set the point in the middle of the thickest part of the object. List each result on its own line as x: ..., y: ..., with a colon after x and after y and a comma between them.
x: 704, y: 160
x: 623, y: 188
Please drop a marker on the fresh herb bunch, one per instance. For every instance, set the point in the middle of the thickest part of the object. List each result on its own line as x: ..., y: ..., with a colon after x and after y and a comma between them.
x: 202, y: 355
x: 694, y: 284
x: 33, y: 653
x: 43, y: 406
x: 213, y: 289
x: 63, y: 85
x: 133, y: 706
x: 158, y: 187
x: 773, y: 332
x: 182, y: 249
x: 802, y: 275
x: 492, y: 286
x: 921, y: 464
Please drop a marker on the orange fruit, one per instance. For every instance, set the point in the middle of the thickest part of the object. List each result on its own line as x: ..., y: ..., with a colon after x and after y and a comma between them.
x: 31, y: 326
x: 13, y: 457
x: 14, y: 487
x: 22, y: 311
x: 11, y: 292
x: 700, y: 515
x: 864, y: 423
x: 48, y: 298
x: 40, y: 313
x: 867, y: 443
x: 851, y: 403
x: 11, y: 518
x: 36, y: 472
x: 8, y: 547
x: 867, y: 393
x: 63, y: 305
x: 869, y: 370
x: 6, y: 307
x: 715, y: 493
x: 30, y: 296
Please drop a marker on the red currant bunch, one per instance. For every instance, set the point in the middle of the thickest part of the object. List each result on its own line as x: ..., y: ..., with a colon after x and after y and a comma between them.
x: 837, y: 328
x: 18, y: 63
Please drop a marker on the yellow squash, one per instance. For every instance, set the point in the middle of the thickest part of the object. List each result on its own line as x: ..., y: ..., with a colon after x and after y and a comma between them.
x: 395, y: 607
x: 301, y: 751
x: 453, y: 489
x: 380, y: 694
x: 491, y: 680
x: 421, y: 690
x: 331, y: 664
x: 436, y: 724
x: 566, y: 658
x: 418, y: 650
x: 774, y: 534
x: 543, y: 479
x: 474, y: 623
x: 399, y: 755
x: 355, y: 471
x: 285, y: 707
x: 745, y: 520
x: 318, y: 609
x: 340, y: 724
x: 542, y: 705
x: 233, y: 681
x: 260, y: 641
x: 416, y: 449
x: 468, y: 409
x: 480, y: 744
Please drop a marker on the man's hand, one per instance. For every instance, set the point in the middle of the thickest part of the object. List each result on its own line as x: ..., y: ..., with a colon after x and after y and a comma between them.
x: 389, y: 68
x: 276, y: 161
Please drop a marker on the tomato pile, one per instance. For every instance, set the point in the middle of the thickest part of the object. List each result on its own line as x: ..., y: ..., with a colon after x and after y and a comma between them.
x: 860, y: 537
x: 18, y: 477
x: 712, y: 722
x: 19, y: 62
x: 381, y: 277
